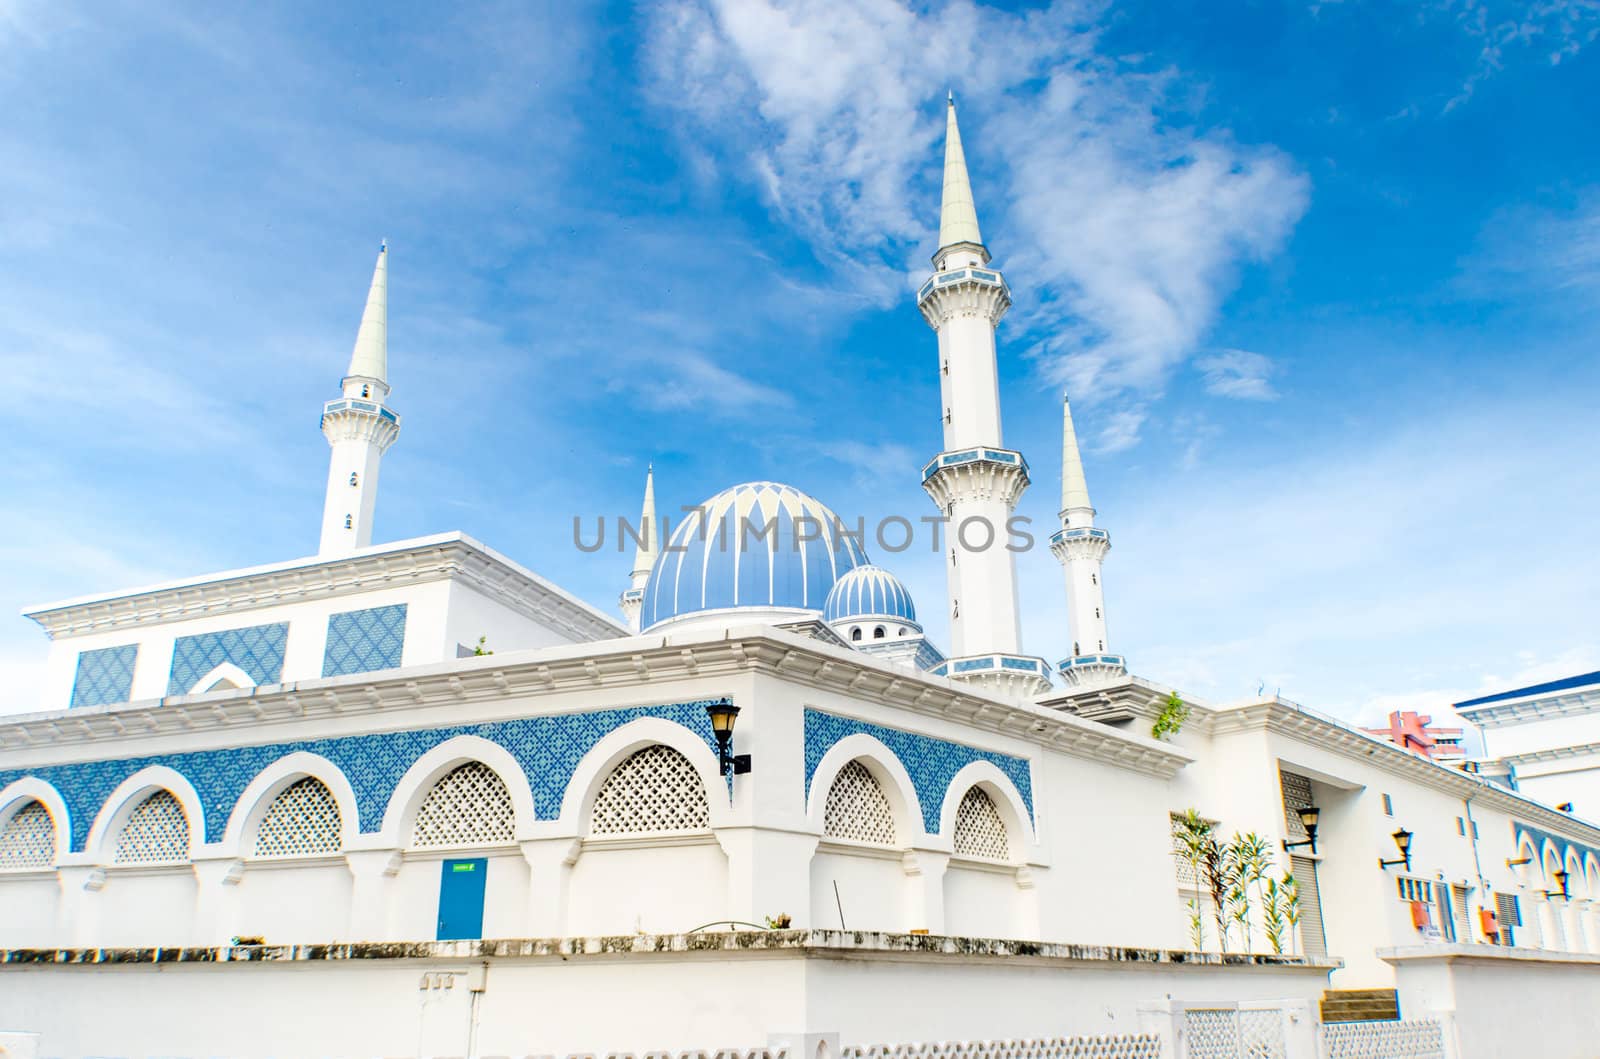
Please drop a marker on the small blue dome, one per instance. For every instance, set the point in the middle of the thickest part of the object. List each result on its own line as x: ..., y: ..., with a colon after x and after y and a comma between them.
x: 760, y: 544
x: 869, y: 592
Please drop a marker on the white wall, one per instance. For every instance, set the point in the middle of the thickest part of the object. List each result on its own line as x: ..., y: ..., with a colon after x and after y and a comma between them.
x: 983, y: 901
x: 293, y: 903
x: 146, y: 907
x: 654, y: 889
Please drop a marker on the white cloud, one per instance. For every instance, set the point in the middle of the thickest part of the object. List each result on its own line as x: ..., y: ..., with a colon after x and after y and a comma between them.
x: 1552, y: 30
x: 1120, y: 430
x: 1121, y: 227
x: 690, y: 381
x: 1238, y: 373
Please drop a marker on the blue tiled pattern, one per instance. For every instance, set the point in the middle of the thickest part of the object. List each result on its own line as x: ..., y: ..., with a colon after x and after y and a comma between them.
x: 258, y: 650
x: 547, y: 748
x: 104, y: 675
x: 932, y: 763
x: 364, y: 641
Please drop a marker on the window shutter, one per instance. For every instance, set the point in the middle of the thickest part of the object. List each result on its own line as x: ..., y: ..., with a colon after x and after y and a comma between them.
x: 1312, y: 940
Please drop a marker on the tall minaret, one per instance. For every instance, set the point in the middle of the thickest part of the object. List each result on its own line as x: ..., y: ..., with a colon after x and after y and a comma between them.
x: 975, y: 482
x: 1081, y: 548
x: 644, y: 554
x: 359, y: 426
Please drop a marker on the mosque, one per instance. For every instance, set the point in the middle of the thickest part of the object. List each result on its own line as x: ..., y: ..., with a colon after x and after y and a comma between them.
x: 290, y: 809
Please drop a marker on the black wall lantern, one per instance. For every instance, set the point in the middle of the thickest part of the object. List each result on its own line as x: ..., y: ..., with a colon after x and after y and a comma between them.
x: 1402, y: 839
x: 1561, y: 881
x: 1308, y: 819
x: 722, y: 715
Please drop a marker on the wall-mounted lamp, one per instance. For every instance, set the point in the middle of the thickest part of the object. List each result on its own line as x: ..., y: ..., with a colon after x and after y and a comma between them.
x: 723, y: 714
x: 1402, y: 840
x: 1561, y: 881
x: 1519, y: 862
x: 1308, y: 819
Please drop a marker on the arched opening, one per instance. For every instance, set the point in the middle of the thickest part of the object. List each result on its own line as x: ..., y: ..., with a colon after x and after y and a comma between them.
x: 879, y: 632
x: 857, y: 809
x: 303, y: 820
x: 650, y: 818
x: 28, y: 837
x: 467, y: 806
x: 857, y: 879
x: 151, y: 907
x: 981, y: 898
x: 296, y: 889
x: 855, y: 634
x: 28, y: 844
x: 156, y: 832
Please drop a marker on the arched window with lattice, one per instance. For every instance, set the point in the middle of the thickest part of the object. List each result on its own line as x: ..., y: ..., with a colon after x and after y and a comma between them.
x: 157, y: 832
x: 857, y: 808
x: 302, y: 820
x: 468, y: 806
x: 651, y: 790
x: 980, y: 831
x: 28, y: 839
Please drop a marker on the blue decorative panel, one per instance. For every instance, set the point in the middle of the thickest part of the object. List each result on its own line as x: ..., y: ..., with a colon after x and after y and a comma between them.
x: 932, y: 763
x: 257, y: 650
x: 363, y: 641
x: 104, y: 675
x: 547, y: 748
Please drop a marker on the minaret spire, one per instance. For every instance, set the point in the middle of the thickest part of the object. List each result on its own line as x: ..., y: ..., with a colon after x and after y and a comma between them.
x: 975, y: 481
x: 644, y: 554
x: 958, y: 216
x: 1081, y: 548
x: 359, y: 426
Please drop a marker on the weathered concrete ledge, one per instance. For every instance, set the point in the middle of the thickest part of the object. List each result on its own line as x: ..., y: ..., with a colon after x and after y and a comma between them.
x: 820, y: 944
x: 1491, y: 953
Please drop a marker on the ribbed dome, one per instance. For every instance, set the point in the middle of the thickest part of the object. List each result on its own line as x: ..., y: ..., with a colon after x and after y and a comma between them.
x: 756, y: 545
x: 869, y: 592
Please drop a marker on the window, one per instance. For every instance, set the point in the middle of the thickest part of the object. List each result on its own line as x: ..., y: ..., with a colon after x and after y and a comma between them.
x: 1094, y: 579
x: 855, y: 634
x: 1297, y: 795
x: 980, y: 833
x: 157, y: 832
x: 1474, y: 829
x: 857, y: 808
x: 1388, y: 806
x: 29, y: 838
x: 303, y: 819
x: 1461, y: 827
x: 879, y: 633
x: 1508, y: 913
x: 654, y: 789
x: 1415, y: 890
x: 1097, y: 612
x: 468, y: 806
x: 1189, y: 877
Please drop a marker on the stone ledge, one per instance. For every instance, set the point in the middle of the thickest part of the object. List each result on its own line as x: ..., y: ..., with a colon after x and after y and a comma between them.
x: 1501, y: 953
x: 819, y: 944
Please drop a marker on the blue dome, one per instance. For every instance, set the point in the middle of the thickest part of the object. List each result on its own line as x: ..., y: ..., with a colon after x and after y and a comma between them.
x: 760, y: 544
x: 869, y: 592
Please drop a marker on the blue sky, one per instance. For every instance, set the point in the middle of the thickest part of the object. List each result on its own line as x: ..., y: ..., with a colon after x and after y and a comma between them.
x: 1322, y: 279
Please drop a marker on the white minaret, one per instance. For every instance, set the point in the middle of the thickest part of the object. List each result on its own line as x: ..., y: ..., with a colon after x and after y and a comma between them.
x: 644, y: 555
x: 1081, y: 548
x: 975, y: 482
x: 359, y: 427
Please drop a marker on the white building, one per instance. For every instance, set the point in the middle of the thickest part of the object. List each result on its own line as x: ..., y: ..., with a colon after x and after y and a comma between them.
x: 1544, y: 740
x: 298, y: 789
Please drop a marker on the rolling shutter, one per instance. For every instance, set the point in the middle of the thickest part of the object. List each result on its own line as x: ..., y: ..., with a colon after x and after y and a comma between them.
x: 1312, y: 940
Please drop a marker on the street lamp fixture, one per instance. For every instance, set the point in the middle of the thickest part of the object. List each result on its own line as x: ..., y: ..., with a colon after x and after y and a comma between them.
x: 1561, y: 881
x: 1308, y: 819
x: 723, y: 715
x: 1402, y: 840
x: 1519, y: 862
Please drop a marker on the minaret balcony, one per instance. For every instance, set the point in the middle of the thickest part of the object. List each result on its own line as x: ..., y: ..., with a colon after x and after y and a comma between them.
x: 633, y: 595
x: 1019, y: 674
x: 1080, y: 542
x: 975, y: 474
x: 351, y: 404
x: 964, y: 291
x: 1089, y: 670
x: 352, y: 419
x: 1009, y: 457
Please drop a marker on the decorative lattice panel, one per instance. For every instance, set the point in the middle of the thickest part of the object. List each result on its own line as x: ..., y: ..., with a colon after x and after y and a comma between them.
x: 857, y: 808
x: 157, y: 832
x: 1296, y: 796
x: 104, y: 675
x: 29, y: 838
x: 980, y: 832
x: 1129, y: 1046
x: 1410, y: 1039
x: 469, y: 806
x: 303, y: 819
x: 654, y: 789
x: 1188, y: 874
x: 1211, y: 1034
x: 1261, y: 1033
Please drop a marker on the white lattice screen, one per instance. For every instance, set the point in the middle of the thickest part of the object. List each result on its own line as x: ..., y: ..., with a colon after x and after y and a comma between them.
x: 157, y: 832
x: 1188, y: 875
x: 468, y: 806
x: 1127, y: 1046
x: 652, y: 790
x: 1411, y: 1039
x: 302, y: 819
x: 1296, y: 796
x: 29, y: 838
x: 980, y: 833
x: 857, y: 808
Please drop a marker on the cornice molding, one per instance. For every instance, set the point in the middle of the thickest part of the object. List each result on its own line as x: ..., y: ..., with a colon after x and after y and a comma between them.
x: 1572, y: 703
x: 447, y: 557
x: 637, y: 662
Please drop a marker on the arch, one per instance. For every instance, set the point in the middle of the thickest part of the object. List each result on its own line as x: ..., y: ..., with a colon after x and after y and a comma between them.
x: 855, y: 633
x: 653, y: 790
x: 415, y: 786
x: 272, y: 781
x: 15, y: 795
x: 623, y: 742
x: 226, y: 674
x: 1591, y: 874
x: 1007, y: 799
x: 886, y: 768
x: 879, y: 632
x: 127, y: 796
x: 1550, y: 862
x: 1524, y: 873
x: 1577, y: 885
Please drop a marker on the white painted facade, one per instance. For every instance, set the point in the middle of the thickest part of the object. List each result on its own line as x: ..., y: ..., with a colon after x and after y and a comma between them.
x: 1544, y: 739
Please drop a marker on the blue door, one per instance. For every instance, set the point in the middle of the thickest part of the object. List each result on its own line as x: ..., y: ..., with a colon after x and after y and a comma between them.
x: 461, y: 898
